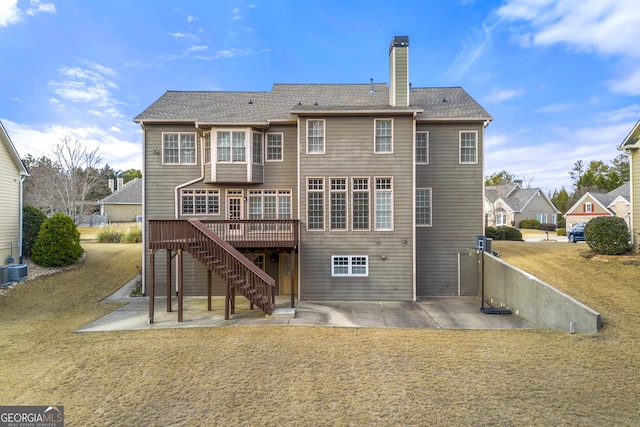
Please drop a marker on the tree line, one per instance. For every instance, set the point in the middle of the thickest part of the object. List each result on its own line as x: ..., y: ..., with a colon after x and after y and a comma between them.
x: 596, y: 177
x: 71, y: 180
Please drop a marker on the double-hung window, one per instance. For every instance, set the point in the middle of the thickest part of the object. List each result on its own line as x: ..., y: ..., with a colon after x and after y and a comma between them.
x: 384, y: 204
x: 274, y: 147
x: 350, y: 265
x: 423, y: 206
x: 200, y: 202
x: 422, y: 147
x: 231, y: 146
x: 179, y: 148
x: 257, y: 148
x: 338, y: 203
x: 588, y: 207
x: 315, y: 136
x: 383, y: 135
x: 468, y: 147
x: 315, y: 203
x: 207, y: 147
x: 360, y: 203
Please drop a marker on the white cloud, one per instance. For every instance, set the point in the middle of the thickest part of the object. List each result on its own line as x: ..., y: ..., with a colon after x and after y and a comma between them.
x: 555, y: 108
x: 9, y: 12
x: 499, y: 95
x: 38, y: 7
x: 78, y: 84
x: 38, y: 141
x: 602, y: 27
x: 197, y: 48
x: 471, y: 51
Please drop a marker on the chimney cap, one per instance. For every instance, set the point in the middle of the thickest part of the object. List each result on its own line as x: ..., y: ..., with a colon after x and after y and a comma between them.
x: 399, y: 41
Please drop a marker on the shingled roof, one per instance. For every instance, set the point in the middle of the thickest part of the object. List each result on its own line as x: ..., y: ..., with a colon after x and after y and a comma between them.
x: 129, y: 194
x: 284, y: 101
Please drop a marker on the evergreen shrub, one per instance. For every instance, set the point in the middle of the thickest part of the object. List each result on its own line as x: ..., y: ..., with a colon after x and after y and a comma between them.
x: 32, y: 219
x: 607, y: 235
x: 58, y: 242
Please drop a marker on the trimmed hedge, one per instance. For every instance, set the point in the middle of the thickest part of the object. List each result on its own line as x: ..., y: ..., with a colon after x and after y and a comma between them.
x: 547, y: 226
x: 58, y: 242
x: 503, y: 233
x: 530, y: 224
x: 607, y: 235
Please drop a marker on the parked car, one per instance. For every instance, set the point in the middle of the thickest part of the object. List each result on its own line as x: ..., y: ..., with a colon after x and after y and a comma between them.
x: 576, y: 233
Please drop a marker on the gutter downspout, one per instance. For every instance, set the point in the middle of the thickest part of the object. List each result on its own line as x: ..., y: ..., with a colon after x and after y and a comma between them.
x: 21, y: 206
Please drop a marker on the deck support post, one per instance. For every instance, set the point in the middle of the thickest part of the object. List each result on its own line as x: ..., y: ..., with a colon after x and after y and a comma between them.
x: 209, y: 279
x: 180, y: 290
x: 168, y: 280
x: 152, y: 286
x: 294, y: 278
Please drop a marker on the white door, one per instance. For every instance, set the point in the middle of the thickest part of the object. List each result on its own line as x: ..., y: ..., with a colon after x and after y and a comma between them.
x: 235, y: 207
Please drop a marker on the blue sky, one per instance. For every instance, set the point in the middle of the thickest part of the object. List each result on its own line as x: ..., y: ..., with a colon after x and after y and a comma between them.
x: 561, y: 78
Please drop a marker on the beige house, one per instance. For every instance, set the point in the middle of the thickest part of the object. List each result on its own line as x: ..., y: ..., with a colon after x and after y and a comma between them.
x: 125, y: 204
x: 630, y: 146
x: 507, y: 205
x: 591, y: 205
x: 12, y: 176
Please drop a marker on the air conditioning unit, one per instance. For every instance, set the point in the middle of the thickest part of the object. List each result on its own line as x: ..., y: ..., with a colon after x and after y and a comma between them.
x: 18, y: 272
x: 4, y: 275
x: 138, y: 218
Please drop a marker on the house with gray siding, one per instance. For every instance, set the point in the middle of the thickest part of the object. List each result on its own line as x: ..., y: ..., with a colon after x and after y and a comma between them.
x: 507, y: 205
x: 320, y: 191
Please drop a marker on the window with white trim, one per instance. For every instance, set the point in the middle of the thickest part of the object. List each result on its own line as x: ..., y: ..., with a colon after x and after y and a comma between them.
x: 423, y: 206
x: 384, y: 204
x: 360, y: 203
x: 179, y: 148
x: 207, y: 147
x: 468, y: 147
x: 230, y: 146
x: 274, y: 147
x: 257, y: 148
x: 501, y: 218
x: 315, y: 136
x: 315, y: 204
x: 200, y: 202
x: 350, y: 265
x: 383, y: 136
x: 588, y: 207
x: 422, y: 147
x: 338, y: 200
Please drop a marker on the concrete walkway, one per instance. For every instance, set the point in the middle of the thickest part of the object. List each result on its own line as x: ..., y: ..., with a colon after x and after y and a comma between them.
x: 433, y: 313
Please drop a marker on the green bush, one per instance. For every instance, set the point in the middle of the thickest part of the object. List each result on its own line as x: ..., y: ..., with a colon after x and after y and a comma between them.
x: 132, y: 235
x: 32, y: 219
x: 109, y: 235
x: 562, y: 223
x: 561, y: 231
x: 530, y: 224
x: 607, y: 235
x: 503, y: 233
x: 58, y: 242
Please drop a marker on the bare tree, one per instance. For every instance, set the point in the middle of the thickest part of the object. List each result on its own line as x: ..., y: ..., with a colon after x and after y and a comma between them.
x: 37, y: 187
x: 78, y: 173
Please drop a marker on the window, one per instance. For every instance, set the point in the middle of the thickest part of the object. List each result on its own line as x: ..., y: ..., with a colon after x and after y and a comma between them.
x: 360, y: 197
x: 468, y: 149
x: 207, y: 147
x: 274, y: 147
x: 422, y: 147
x: 269, y: 204
x: 338, y: 204
x: 384, y: 204
x: 179, y: 148
x: 315, y: 136
x: 257, y: 148
x: 384, y: 132
x: 501, y: 218
x: 423, y: 206
x: 588, y: 207
x: 200, y: 202
x: 349, y: 265
x: 231, y: 146
x: 315, y: 204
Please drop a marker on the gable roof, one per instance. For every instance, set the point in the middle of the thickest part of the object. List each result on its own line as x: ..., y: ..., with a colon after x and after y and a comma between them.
x: 6, y: 141
x: 605, y: 199
x: 632, y: 141
x: 284, y: 101
x: 129, y: 194
x: 514, y: 197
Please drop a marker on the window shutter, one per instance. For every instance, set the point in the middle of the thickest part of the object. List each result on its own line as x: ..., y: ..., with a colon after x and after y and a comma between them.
x: 584, y: 207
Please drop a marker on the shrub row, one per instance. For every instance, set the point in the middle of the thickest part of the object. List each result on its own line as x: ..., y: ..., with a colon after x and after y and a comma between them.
x: 503, y: 233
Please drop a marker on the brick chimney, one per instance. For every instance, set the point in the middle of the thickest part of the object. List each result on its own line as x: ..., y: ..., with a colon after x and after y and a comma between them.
x: 399, y: 71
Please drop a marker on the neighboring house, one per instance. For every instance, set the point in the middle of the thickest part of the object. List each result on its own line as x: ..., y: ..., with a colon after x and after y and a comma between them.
x: 125, y: 204
x: 336, y: 191
x: 630, y: 147
x: 507, y: 205
x: 591, y: 205
x: 12, y: 176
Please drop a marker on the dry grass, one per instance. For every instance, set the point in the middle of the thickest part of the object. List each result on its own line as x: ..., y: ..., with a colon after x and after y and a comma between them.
x: 317, y: 376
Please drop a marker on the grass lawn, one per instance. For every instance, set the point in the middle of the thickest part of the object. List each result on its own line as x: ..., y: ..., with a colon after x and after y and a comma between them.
x: 290, y: 375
